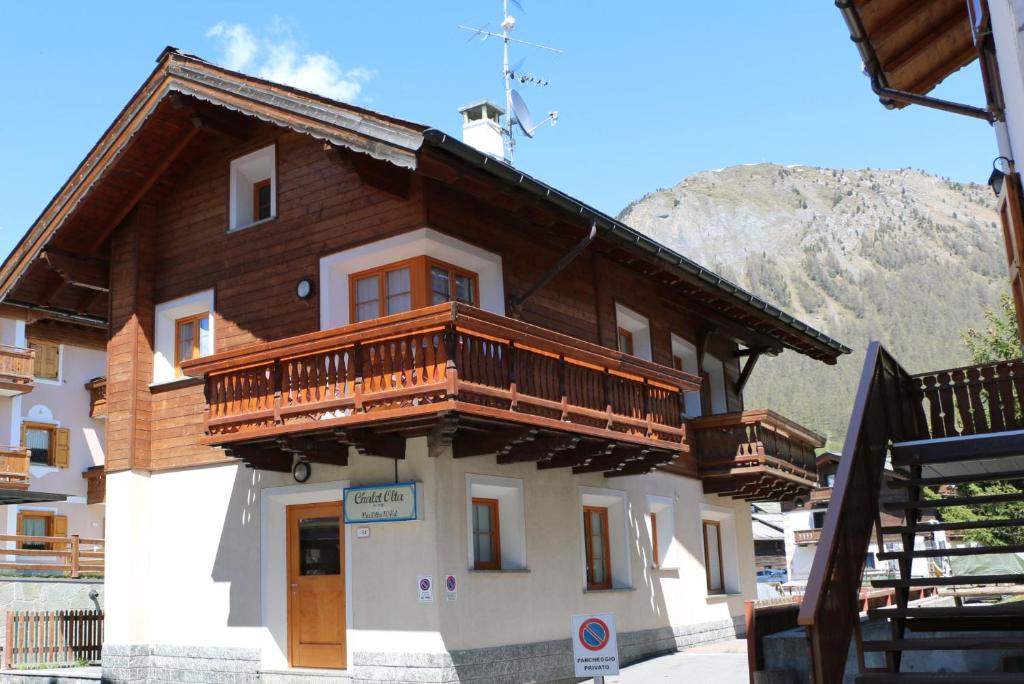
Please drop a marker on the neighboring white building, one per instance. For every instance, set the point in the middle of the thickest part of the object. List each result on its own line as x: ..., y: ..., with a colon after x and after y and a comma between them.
x: 53, y: 420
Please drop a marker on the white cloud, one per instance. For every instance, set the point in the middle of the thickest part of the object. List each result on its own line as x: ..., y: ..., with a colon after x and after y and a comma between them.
x: 282, y: 61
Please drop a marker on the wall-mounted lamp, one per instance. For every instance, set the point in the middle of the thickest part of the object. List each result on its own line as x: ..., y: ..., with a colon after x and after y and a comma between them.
x: 998, y: 176
x: 301, y: 471
x: 305, y: 288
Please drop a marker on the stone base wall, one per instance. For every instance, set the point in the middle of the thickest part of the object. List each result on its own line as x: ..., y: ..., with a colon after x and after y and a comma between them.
x: 546, y: 661
x: 47, y: 593
x: 207, y: 664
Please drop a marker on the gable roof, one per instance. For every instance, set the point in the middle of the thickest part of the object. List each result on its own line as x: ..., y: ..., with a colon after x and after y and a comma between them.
x: 122, y: 165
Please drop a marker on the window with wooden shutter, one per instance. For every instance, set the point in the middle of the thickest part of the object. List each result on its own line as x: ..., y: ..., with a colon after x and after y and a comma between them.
x: 47, y: 444
x: 58, y: 528
x: 35, y: 524
x: 47, y: 360
x: 1012, y: 218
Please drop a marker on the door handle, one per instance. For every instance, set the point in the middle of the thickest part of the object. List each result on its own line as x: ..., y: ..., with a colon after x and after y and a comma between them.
x: 295, y: 585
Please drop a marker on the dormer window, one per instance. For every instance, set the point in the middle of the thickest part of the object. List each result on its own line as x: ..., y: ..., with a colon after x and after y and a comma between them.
x: 253, y: 188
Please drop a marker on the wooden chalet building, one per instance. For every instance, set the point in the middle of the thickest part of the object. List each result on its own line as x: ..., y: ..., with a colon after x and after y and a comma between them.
x: 309, y: 303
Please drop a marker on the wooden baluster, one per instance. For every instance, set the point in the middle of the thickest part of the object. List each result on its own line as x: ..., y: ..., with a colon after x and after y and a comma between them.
x: 560, y: 370
x: 357, y: 369
x: 513, y: 381
x: 451, y: 344
x: 946, y: 403
x: 1006, y: 400
x: 995, y: 411
x: 963, y: 401
x: 934, y: 409
x: 978, y: 409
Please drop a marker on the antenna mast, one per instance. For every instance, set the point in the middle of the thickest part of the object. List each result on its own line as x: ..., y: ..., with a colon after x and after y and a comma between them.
x: 516, y: 112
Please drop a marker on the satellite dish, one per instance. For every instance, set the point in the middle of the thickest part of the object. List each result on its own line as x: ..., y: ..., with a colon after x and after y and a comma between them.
x: 522, y: 113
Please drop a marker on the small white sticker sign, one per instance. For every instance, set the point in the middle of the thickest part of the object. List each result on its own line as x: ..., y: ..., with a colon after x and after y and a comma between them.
x: 451, y: 587
x: 425, y: 587
x: 595, y: 648
x: 362, y: 532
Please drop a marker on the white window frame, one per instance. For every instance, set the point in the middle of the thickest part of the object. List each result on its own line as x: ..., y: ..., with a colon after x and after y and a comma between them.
x: 638, y: 326
x: 166, y: 315
x: 715, y: 369
x: 511, y: 518
x: 335, y: 269
x: 663, y: 508
x: 244, y: 172
x: 619, y: 542
x: 726, y: 519
x: 687, y: 351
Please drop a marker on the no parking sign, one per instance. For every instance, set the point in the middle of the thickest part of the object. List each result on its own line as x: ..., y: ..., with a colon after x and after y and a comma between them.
x: 595, y: 650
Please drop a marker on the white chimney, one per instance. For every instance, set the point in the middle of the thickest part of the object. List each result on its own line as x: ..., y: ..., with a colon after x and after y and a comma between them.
x: 481, y: 127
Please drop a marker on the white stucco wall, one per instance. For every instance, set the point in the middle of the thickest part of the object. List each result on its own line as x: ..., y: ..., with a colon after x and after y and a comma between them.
x: 1007, y: 16
x: 214, y: 573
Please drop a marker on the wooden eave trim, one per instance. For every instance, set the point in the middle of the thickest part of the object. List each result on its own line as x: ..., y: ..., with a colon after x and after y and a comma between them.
x: 169, y: 77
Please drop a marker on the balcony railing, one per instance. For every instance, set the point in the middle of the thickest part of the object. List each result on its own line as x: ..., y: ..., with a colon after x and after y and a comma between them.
x: 97, y: 389
x: 821, y: 495
x: 972, y: 400
x: 96, y: 482
x: 806, y: 536
x: 755, y: 455
x: 16, y: 370
x: 14, y: 463
x: 449, y: 358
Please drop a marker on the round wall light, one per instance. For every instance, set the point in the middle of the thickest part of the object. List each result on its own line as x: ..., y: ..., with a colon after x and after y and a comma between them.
x: 301, y: 471
x: 304, y: 288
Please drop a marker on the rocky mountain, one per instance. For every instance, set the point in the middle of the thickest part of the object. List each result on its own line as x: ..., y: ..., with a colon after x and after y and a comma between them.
x: 899, y: 256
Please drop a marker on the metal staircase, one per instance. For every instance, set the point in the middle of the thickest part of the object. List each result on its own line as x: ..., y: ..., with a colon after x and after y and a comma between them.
x: 944, y: 429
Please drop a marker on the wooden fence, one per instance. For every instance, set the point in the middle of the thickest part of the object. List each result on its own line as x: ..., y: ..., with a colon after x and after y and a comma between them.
x: 56, y: 637
x: 73, y: 556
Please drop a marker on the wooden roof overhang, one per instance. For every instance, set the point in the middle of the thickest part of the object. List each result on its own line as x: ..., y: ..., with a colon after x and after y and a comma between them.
x: 909, y: 47
x: 59, y: 268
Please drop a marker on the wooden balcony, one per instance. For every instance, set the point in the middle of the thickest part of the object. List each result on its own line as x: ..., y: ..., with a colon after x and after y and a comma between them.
x: 821, y: 496
x: 96, y: 477
x: 804, y: 537
x: 97, y: 389
x: 755, y: 455
x: 14, y: 462
x: 16, y: 370
x: 472, y: 380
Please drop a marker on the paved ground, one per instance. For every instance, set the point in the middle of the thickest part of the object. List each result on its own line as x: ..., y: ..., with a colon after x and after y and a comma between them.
x: 721, y: 663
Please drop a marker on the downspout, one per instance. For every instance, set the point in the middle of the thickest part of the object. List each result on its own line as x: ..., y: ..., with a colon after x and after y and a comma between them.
x: 515, y: 304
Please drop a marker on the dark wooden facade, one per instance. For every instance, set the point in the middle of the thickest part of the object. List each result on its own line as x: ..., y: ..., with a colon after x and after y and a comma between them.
x: 150, y: 225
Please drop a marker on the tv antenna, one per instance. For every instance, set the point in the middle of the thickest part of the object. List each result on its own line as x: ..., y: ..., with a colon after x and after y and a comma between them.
x: 517, y: 113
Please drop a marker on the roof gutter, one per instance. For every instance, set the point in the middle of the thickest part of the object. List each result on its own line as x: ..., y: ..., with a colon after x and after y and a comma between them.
x: 620, y: 231
x: 879, y: 85
x: 61, y: 314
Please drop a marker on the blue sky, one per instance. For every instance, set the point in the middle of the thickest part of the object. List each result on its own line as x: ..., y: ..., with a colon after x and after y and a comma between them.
x: 648, y: 93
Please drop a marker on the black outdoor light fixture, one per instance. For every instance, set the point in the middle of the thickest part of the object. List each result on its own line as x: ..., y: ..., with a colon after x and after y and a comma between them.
x: 304, y: 288
x: 998, y: 176
x: 301, y: 471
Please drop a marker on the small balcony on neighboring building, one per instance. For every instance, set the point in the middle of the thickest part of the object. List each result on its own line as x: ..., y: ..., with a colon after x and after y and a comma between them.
x: 805, y: 537
x: 821, y: 496
x: 14, y: 463
x: 16, y: 370
x: 755, y: 455
x: 96, y: 485
x: 478, y: 382
x: 97, y: 389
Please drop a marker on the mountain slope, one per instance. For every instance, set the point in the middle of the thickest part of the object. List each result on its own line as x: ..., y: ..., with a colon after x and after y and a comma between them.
x: 899, y: 256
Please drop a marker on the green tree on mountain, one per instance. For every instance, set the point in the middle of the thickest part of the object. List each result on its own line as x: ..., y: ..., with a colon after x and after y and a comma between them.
x: 997, y: 342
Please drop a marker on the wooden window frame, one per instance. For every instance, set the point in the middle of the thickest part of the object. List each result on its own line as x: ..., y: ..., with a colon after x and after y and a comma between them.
x: 196, y: 345
x: 705, y: 524
x: 256, y: 187
x: 589, y: 552
x: 623, y: 333
x: 656, y: 559
x: 47, y: 515
x: 52, y: 459
x: 38, y: 346
x: 421, y: 290
x: 491, y: 504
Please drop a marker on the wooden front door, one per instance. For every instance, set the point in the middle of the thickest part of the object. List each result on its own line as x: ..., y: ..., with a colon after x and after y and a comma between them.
x: 316, y: 586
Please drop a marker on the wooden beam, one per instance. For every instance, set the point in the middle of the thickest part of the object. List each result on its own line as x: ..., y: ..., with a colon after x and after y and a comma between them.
x: 377, y: 174
x: 541, y: 449
x: 369, y: 443
x: 104, y: 232
x: 748, y: 368
x: 90, y: 274
x: 953, y: 21
x: 498, y: 442
x: 261, y: 459
x: 442, y: 435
